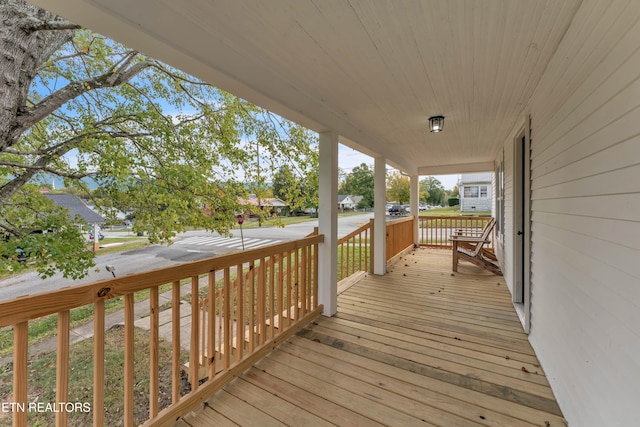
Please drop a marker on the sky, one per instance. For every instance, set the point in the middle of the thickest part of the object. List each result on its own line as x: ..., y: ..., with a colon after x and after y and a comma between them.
x: 348, y: 158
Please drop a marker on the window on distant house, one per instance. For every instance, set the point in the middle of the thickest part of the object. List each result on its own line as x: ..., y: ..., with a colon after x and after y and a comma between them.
x: 475, y: 191
x: 471, y: 191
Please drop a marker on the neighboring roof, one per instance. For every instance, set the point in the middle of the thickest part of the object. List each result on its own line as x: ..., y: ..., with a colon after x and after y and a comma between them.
x: 76, y: 206
x: 352, y: 199
x: 265, y: 201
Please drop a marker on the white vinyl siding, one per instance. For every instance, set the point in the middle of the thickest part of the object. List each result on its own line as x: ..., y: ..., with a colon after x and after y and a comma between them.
x: 585, y: 181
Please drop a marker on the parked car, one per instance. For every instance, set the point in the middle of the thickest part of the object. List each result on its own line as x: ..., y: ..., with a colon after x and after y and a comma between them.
x: 396, y: 210
x: 100, y: 236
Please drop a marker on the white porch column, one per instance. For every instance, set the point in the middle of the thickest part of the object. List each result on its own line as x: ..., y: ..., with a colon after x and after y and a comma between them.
x: 415, y: 211
x: 379, y: 208
x: 328, y: 223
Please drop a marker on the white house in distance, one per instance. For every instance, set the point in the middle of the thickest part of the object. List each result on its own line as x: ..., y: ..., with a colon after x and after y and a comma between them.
x: 348, y: 202
x: 476, y: 194
x: 544, y: 93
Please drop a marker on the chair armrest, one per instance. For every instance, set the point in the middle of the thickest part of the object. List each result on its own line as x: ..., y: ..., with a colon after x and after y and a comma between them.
x: 469, y: 239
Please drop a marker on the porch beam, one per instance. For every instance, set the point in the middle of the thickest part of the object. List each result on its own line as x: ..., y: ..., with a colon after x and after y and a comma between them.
x: 379, y: 208
x: 328, y: 223
x: 415, y: 211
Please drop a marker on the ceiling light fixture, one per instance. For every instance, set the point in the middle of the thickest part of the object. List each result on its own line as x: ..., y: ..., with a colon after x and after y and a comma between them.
x: 436, y: 123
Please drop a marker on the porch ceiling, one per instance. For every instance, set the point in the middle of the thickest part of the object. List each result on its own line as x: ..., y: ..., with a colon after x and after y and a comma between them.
x: 371, y: 71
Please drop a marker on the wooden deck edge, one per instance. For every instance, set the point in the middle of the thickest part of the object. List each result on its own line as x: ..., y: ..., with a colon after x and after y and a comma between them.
x: 173, y: 413
x: 348, y: 282
x: 400, y: 254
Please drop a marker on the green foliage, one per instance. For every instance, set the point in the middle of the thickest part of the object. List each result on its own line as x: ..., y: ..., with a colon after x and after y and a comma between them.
x: 164, y: 147
x: 48, y: 239
x: 359, y: 183
x: 398, y: 188
x: 299, y: 189
x: 454, y: 201
x: 434, y: 190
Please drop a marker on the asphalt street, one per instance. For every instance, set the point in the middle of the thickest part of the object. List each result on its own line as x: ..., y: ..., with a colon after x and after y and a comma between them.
x: 189, y: 246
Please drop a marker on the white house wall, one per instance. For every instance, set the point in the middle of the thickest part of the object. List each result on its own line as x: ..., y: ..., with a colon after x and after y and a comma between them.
x: 585, y: 182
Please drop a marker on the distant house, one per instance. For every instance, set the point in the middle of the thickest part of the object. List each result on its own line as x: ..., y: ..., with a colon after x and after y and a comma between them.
x: 76, y: 207
x: 475, y: 192
x: 347, y: 202
x: 271, y: 204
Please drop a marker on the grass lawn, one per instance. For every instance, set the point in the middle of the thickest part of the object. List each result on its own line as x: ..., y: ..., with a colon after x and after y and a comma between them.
x: 42, y: 373
x: 124, y: 244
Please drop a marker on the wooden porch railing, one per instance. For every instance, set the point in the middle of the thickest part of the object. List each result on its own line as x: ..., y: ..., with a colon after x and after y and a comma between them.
x: 399, y: 236
x: 273, y: 295
x: 435, y: 231
x: 355, y: 251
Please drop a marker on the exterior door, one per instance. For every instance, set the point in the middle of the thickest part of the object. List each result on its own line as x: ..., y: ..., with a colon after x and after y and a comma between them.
x: 521, y: 224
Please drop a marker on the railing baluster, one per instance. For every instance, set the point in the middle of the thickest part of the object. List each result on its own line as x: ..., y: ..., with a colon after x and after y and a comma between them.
x: 303, y: 282
x: 194, y: 357
x: 262, y: 300
x: 371, y: 247
x: 20, y: 364
x: 220, y: 333
x: 252, y: 306
x: 62, y: 366
x: 296, y: 285
x: 360, y: 252
x: 227, y: 318
x: 309, y: 270
x: 211, y: 330
x: 203, y: 332
x: 154, y: 348
x: 289, y: 283
x: 240, y: 322
x: 175, y: 342
x: 129, y: 351
x: 347, y: 270
x: 271, y: 297
x: 98, y: 363
x: 280, y: 302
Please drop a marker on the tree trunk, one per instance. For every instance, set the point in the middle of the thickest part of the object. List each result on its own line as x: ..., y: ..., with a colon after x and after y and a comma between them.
x: 24, y: 48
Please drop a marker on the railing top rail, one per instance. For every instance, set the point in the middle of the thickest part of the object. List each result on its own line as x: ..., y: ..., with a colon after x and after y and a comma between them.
x: 400, y: 220
x: 34, y: 306
x: 464, y: 217
x: 354, y: 233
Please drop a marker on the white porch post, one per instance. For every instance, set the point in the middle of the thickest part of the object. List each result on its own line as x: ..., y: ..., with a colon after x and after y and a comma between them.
x: 379, y: 208
x: 415, y: 198
x: 328, y: 223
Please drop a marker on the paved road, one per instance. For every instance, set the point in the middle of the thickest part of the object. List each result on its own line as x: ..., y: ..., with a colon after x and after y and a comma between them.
x: 189, y: 246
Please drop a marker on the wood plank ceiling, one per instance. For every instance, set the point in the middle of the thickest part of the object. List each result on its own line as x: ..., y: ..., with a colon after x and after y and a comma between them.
x: 373, y: 71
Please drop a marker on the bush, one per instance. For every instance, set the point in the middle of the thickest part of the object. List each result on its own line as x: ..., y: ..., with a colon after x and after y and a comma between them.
x: 454, y: 201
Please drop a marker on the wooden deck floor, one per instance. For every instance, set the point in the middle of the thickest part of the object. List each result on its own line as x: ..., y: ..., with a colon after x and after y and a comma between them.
x: 419, y: 346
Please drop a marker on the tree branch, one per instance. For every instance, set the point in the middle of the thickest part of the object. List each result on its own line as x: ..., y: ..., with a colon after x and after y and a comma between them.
x: 34, y: 24
x: 46, y: 169
x: 52, y: 102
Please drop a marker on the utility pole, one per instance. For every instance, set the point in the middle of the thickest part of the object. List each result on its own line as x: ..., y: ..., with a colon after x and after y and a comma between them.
x: 258, y: 189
